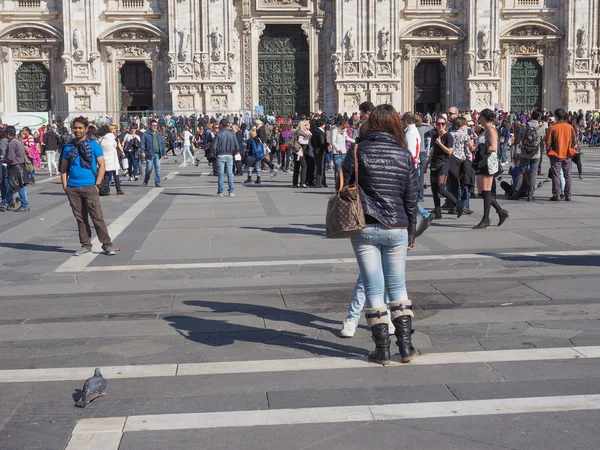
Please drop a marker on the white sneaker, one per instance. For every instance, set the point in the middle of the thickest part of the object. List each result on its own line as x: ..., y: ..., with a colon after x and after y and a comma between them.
x: 231, y: 194
x: 348, y: 329
x: 391, y: 328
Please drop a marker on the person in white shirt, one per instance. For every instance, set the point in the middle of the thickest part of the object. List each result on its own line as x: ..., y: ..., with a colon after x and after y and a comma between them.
x: 187, y: 137
x: 339, y: 138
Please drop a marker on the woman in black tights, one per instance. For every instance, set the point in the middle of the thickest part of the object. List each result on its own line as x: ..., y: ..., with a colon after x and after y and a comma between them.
x: 439, y: 164
x: 487, y: 143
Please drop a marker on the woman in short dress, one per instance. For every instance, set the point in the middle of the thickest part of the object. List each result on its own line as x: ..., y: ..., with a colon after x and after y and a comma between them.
x: 487, y: 142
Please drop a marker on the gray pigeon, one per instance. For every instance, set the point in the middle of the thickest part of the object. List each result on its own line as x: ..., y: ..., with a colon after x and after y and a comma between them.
x: 92, y: 389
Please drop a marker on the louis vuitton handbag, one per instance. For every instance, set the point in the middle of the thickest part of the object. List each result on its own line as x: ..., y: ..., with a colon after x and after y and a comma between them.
x: 344, y: 209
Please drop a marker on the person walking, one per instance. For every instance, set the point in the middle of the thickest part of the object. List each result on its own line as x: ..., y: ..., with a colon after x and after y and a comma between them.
x: 18, y: 176
x: 186, y: 138
x: 487, y: 147
x: 51, y: 144
x: 108, y: 143
x: 320, y: 147
x: 225, y: 147
x: 81, y: 172
x: 252, y: 162
x: 561, y: 146
x: 300, y: 143
x: 388, y: 192
x: 532, y: 136
x: 153, y: 149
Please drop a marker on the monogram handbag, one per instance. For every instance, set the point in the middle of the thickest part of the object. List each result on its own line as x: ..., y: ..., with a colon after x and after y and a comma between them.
x: 344, y: 209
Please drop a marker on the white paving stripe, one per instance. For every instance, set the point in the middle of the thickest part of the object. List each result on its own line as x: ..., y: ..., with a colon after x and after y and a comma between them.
x: 289, y: 365
x: 46, y: 180
x: 171, y: 175
x: 311, y: 262
x: 103, y: 434
x: 79, y: 263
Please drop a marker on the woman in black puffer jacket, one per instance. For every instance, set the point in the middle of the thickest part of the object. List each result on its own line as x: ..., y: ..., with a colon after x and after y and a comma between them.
x: 388, y: 191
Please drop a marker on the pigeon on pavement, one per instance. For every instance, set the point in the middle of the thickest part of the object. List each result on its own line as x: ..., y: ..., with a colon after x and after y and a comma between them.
x: 92, y: 389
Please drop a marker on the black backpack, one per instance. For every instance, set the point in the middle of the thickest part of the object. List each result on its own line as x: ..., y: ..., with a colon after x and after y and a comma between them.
x: 530, y: 143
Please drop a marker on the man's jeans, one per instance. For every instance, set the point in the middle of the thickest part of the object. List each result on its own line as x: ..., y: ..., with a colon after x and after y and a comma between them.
x: 153, y: 163
x: 225, y: 163
x: 381, y: 256
x: 523, y: 163
x: 7, y: 194
x: 558, y: 164
x: 422, y: 161
x: 502, y: 153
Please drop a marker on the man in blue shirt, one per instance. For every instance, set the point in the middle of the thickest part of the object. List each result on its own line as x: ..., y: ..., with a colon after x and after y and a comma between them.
x: 153, y: 149
x: 81, y: 172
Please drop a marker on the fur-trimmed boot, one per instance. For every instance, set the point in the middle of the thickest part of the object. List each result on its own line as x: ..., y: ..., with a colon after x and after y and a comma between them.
x: 402, y: 315
x: 378, y: 319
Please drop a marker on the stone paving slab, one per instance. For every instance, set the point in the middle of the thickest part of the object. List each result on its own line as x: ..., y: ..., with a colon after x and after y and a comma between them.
x: 542, y: 370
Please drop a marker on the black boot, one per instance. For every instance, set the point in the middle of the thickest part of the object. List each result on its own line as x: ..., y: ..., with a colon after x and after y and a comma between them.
x: 402, y: 319
x: 249, y: 179
x: 502, y: 216
x: 378, y: 320
x: 460, y: 209
x: 257, y: 180
x: 381, y: 337
x: 437, y: 213
x: 483, y: 225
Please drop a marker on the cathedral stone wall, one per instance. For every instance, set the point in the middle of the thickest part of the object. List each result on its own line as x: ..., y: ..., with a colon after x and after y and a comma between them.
x: 203, y: 55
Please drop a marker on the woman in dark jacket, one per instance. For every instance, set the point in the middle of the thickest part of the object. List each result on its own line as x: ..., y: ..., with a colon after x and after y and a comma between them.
x: 387, y: 180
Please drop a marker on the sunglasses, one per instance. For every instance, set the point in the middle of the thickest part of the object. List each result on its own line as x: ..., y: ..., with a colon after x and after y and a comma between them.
x: 441, y: 124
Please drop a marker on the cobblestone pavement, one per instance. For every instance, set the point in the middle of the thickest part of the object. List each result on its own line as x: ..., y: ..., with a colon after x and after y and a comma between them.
x: 216, y: 325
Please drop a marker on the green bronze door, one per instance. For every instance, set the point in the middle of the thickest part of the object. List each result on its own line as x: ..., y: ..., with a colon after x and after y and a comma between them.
x: 283, y: 82
x: 33, y: 88
x: 526, y: 86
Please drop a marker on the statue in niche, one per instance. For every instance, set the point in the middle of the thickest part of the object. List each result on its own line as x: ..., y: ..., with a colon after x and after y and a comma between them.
x: 484, y: 42
x: 216, y: 40
x: 471, y: 66
x: 384, y: 42
x: 350, y: 44
x: 581, y: 42
x: 231, y: 64
x: 495, y: 62
x: 67, y: 66
x: 371, y: 65
x: 184, y: 38
x: 364, y: 64
x: 204, y: 65
x: 197, y: 71
x: 78, y: 44
x: 171, y: 70
x: 337, y: 66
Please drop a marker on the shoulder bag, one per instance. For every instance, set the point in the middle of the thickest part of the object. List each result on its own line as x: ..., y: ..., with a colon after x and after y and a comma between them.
x: 344, y: 209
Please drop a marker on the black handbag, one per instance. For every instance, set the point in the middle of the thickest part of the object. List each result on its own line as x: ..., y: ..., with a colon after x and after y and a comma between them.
x: 480, y: 163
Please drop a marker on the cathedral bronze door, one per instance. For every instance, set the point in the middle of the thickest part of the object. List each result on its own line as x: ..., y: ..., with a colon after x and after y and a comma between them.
x: 283, y: 81
x: 430, y: 86
x: 136, y: 87
x: 33, y: 88
x: 526, y: 86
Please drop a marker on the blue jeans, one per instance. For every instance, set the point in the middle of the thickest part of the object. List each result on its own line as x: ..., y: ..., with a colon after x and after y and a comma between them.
x: 422, y: 161
x: 225, y: 163
x: 153, y: 163
x: 7, y: 194
x: 423, y: 212
x: 381, y: 256
x: 337, y: 164
x: 23, y: 197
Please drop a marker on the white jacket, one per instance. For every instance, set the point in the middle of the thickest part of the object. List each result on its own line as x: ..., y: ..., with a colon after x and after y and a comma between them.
x: 109, y: 148
x: 338, y: 141
x: 413, y: 142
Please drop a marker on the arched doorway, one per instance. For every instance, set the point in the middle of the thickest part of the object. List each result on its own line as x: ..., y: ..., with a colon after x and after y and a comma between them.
x: 135, y: 79
x: 430, y: 86
x: 526, y: 85
x: 33, y: 87
x: 283, y: 70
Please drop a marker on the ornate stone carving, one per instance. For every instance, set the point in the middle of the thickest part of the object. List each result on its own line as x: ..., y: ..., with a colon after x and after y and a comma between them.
x: 351, y: 100
x: 283, y: 2
x: 483, y: 98
x: 351, y: 68
x: 429, y: 32
x: 384, y: 99
x: 218, y: 69
x: 67, y: 61
x: 171, y: 69
x: 204, y: 65
x: 219, y: 88
x: 94, y: 56
x: 582, y: 98
x: 528, y: 31
x: 471, y: 65
x: 216, y: 43
x: 149, y: 64
x: 483, y: 39
x: 30, y: 52
x: 582, y: 42
x: 582, y: 65
x: 83, y: 89
x: 384, y: 86
x: 132, y: 34
x: 527, y: 48
x: 357, y: 87
x: 484, y: 85
x: 484, y: 66
x: 495, y: 62
x: 444, y: 62
x: 28, y: 33
x: 595, y: 61
x: 134, y: 50
x: 407, y: 50
x: 17, y: 64
x: 569, y: 60
x: 384, y: 67
x: 367, y: 64
x: 247, y: 64
x: 46, y: 64
x: 81, y: 70
x: 306, y: 28
x: 185, y: 68
x: 185, y: 101
x: 82, y: 103
x: 416, y: 62
x: 219, y: 101
x: 231, y: 65
x: 187, y: 89
x: 540, y: 60
x: 397, y: 63
x: 4, y: 53
x: 384, y: 43
x: 350, y: 44
x: 430, y: 49
x: 110, y: 53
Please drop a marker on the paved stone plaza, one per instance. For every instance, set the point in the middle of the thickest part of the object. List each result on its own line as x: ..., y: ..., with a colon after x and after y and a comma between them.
x: 216, y: 325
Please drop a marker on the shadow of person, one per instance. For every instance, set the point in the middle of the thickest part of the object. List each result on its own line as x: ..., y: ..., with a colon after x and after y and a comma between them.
x: 217, y: 333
